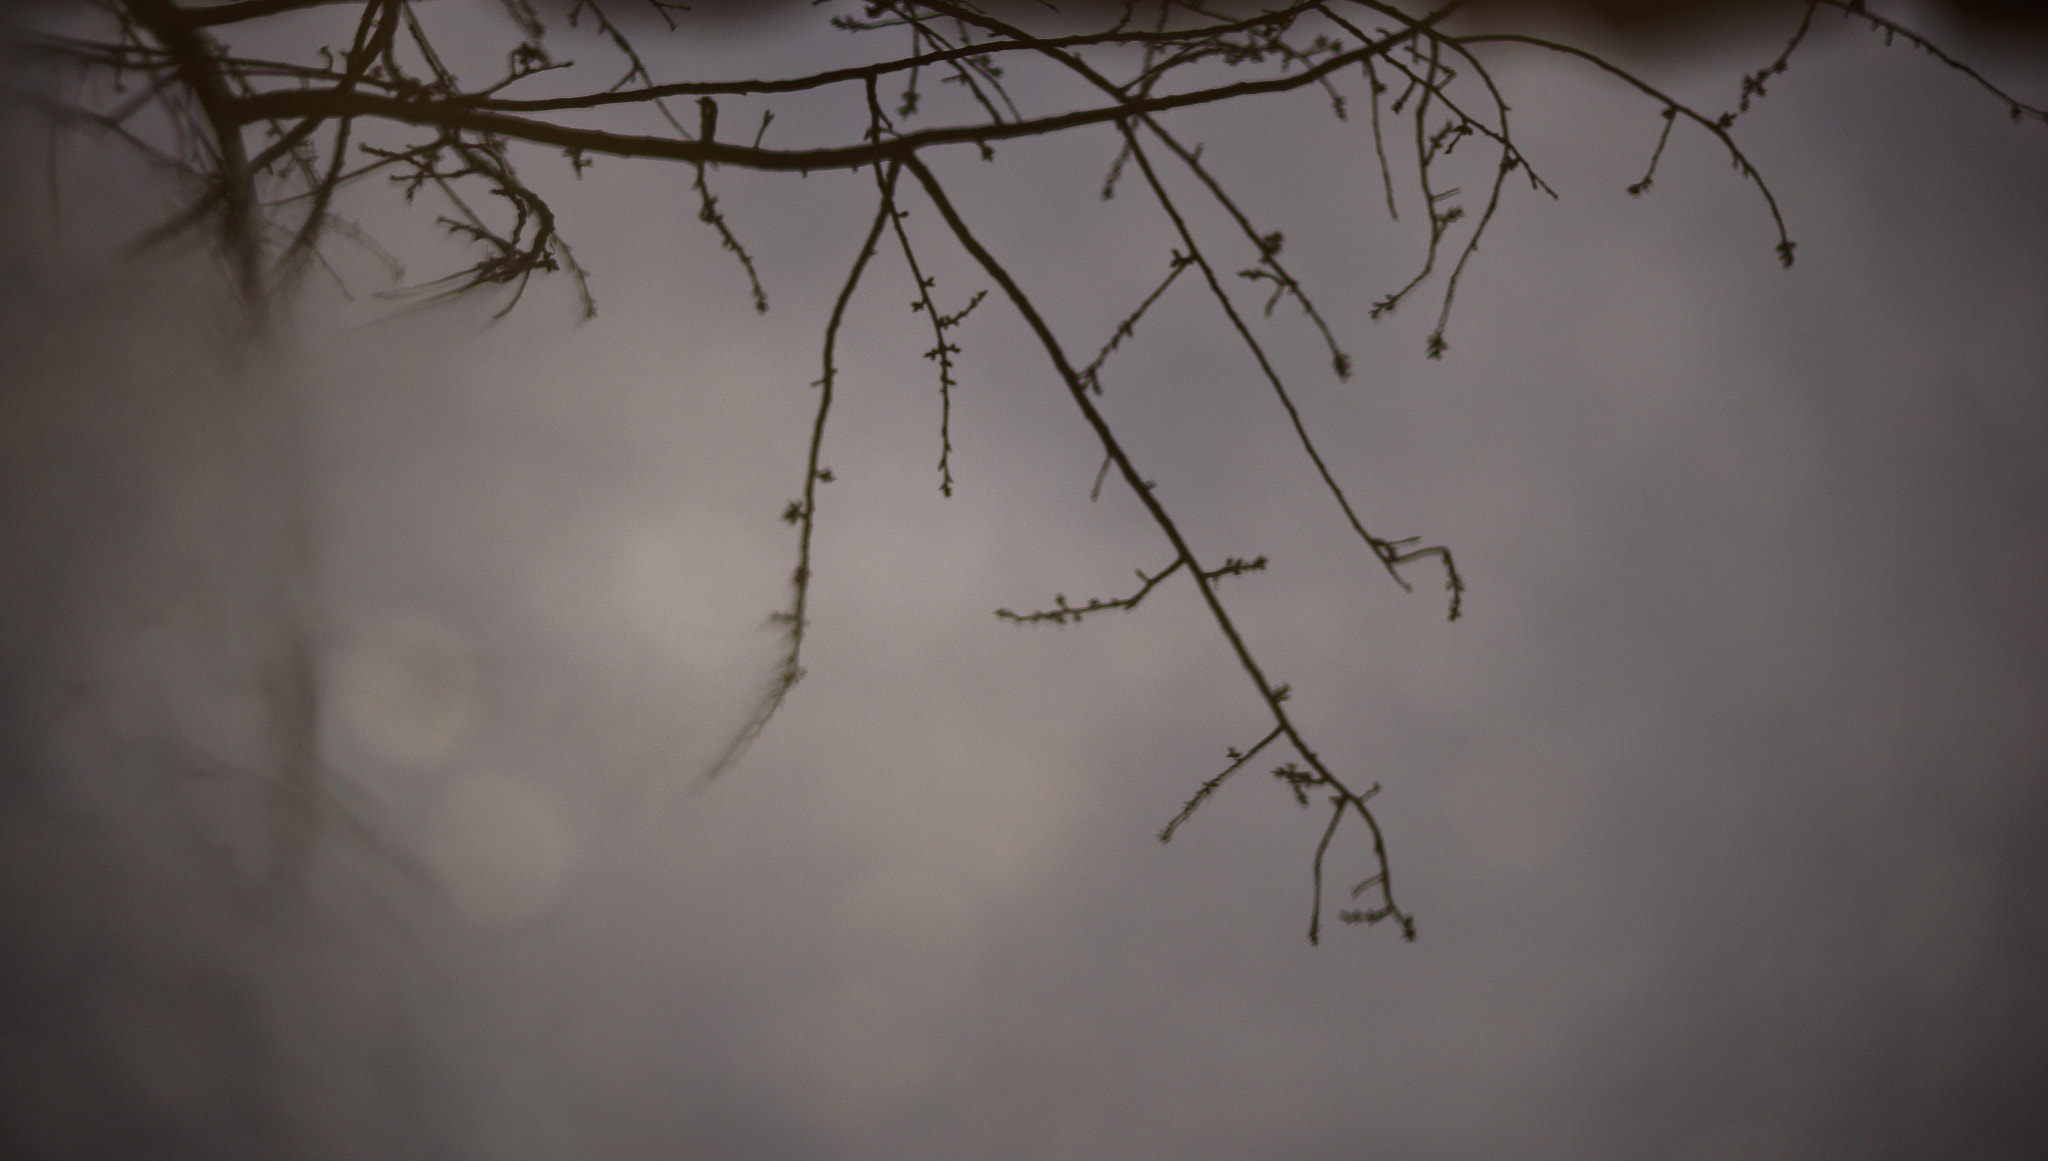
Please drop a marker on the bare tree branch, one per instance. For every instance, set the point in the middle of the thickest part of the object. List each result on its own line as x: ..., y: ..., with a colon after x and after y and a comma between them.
x: 175, y: 84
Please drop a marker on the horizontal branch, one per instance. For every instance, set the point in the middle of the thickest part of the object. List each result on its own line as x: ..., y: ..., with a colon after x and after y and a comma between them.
x: 482, y: 117
x: 1062, y: 612
x: 867, y: 72
x: 247, y: 10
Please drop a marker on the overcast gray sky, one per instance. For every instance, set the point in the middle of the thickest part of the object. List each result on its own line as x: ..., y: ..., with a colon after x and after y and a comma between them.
x: 1721, y: 811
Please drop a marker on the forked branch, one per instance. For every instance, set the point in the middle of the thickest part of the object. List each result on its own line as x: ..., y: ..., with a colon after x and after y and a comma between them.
x: 385, y: 104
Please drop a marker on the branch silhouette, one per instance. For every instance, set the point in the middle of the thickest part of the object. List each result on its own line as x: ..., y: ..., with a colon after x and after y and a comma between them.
x: 265, y: 147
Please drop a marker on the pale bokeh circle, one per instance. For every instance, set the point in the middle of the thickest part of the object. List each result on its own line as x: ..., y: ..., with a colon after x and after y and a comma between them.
x: 1518, y: 795
x: 500, y: 848
x: 406, y: 686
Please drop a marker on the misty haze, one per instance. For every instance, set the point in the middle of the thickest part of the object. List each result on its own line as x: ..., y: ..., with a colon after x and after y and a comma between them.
x: 367, y: 653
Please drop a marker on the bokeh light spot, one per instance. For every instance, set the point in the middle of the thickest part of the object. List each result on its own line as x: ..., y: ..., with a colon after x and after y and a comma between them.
x: 407, y: 688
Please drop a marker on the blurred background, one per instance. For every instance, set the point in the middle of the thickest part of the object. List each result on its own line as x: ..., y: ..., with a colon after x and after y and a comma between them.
x: 1721, y: 810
